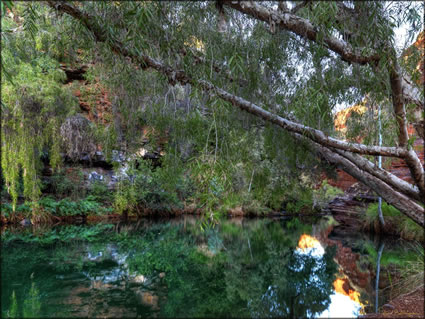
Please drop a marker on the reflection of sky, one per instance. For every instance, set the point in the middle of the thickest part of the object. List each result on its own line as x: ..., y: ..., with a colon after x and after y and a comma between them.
x: 109, y: 275
x: 341, y: 306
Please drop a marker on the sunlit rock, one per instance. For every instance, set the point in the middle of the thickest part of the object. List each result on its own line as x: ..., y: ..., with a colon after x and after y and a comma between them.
x: 140, y: 279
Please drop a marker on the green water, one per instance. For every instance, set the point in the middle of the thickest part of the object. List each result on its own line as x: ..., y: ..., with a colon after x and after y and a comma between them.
x: 175, y: 268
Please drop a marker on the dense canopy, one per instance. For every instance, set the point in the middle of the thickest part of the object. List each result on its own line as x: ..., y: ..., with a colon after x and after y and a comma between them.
x: 243, y: 92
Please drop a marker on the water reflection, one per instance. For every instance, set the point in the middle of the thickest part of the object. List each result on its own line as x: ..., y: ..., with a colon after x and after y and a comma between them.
x: 344, y: 302
x: 240, y: 268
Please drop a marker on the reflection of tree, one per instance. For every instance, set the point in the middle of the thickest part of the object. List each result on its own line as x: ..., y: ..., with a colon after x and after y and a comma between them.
x: 302, y: 289
x: 32, y: 303
x: 279, y: 281
x: 17, y: 266
x: 234, y: 269
x: 378, y: 268
x: 13, y: 312
x: 31, y: 271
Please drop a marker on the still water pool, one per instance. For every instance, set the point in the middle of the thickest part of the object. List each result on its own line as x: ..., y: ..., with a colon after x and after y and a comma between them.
x: 185, y: 268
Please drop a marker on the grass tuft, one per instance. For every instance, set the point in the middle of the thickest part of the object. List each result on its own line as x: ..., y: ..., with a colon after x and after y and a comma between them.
x: 399, y: 224
x: 412, y: 273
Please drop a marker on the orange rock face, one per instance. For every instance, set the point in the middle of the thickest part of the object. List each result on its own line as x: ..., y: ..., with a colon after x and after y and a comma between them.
x: 420, y: 46
x: 95, y: 103
x: 342, y: 116
x: 348, y: 262
x: 397, y: 167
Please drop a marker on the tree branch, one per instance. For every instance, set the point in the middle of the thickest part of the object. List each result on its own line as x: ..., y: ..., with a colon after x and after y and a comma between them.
x: 316, y: 137
x: 416, y: 170
x: 217, y: 67
x: 398, y: 97
x: 301, y: 27
x: 411, y: 94
x: 392, y: 180
x: 391, y: 196
x: 299, y: 6
x: 398, y: 103
x: 313, y: 134
x: 180, y: 76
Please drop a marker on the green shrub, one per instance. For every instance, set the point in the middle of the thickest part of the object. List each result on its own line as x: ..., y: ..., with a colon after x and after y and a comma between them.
x: 406, y: 227
x: 390, y: 255
x: 211, y: 182
x: 410, y: 230
x: 323, y: 195
x: 88, y: 205
x: 299, y: 198
x: 24, y: 209
x: 413, y: 271
x: 6, y: 209
x: 100, y: 190
x: 387, y: 211
x: 49, y: 204
x: 148, y: 187
x: 410, y: 266
x: 63, y: 186
x: 125, y: 198
x: 67, y: 207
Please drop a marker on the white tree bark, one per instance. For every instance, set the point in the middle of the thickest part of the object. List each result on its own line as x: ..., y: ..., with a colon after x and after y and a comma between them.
x: 394, y: 190
x: 302, y: 27
x: 403, y: 203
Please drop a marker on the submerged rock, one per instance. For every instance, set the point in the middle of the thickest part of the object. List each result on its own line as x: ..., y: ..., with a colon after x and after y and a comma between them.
x: 25, y: 222
x: 94, y: 176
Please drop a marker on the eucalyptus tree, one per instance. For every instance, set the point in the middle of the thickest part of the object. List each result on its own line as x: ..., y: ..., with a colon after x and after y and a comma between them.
x: 288, y: 64
x: 283, y: 65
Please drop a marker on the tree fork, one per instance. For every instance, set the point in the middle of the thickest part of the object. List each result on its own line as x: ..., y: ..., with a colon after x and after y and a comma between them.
x: 318, y: 138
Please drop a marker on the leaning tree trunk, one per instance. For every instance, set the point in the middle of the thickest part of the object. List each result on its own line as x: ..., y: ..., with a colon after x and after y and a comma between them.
x: 393, y: 190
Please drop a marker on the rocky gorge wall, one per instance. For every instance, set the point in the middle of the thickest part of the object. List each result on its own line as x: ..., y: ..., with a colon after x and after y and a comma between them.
x: 397, y: 167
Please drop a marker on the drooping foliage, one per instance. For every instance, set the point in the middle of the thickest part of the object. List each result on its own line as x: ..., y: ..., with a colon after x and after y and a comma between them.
x: 34, y: 103
x: 225, y: 151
